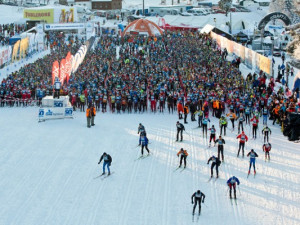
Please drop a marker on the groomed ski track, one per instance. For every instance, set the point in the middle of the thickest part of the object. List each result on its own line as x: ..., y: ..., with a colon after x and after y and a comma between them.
x: 47, y: 173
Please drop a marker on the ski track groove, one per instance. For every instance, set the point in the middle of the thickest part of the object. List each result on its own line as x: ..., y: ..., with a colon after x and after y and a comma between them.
x: 129, y: 192
x: 59, y: 196
x: 82, y: 189
x: 150, y: 180
x: 36, y: 188
x: 21, y: 183
x: 167, y: 188
x: 97, y: 201
x: 96, y: 205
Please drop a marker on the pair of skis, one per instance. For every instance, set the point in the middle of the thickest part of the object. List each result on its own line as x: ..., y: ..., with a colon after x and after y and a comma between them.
x: 249, y: 174
x: 103, y: 176
x: 198, y: 216
x: 142, y: 157
x: 212, y: 178
x: 235, y: 200
x: 182, y: 169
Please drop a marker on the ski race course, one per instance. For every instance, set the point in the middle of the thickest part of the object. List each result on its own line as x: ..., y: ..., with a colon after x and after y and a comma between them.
x: 48, y: 173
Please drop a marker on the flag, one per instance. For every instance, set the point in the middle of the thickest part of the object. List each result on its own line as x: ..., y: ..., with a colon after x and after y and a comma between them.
x: 62, y: 71
x: 55, y: 71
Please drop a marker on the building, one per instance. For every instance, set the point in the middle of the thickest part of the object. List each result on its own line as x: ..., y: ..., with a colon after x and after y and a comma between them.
x: 100, y: 4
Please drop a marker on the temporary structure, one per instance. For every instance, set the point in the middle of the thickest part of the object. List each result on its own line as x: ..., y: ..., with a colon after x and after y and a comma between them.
x: 143, y: 26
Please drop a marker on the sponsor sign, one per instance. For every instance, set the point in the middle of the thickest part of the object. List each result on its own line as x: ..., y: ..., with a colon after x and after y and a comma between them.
x: 64, y: 26
x: 55, y: 113
x: 46, y: 15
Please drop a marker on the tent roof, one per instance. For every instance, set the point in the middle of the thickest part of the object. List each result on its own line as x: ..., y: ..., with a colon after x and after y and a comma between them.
x: 143, y: 26
x: 241, y: 34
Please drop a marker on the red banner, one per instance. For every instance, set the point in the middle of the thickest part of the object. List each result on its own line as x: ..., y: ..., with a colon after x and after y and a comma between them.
x: 55, y: 71
x: 62, y: 71
x: 68, y: 68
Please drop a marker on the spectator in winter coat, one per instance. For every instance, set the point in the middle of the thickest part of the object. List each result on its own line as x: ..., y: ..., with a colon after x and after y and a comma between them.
x: 90, y: 115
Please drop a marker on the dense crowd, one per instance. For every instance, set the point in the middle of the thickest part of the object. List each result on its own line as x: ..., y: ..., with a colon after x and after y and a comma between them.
x: 179, y: 71
x: 9, y: 30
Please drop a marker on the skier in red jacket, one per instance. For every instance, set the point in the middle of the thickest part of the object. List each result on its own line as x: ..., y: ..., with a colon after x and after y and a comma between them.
x: 243, y: 138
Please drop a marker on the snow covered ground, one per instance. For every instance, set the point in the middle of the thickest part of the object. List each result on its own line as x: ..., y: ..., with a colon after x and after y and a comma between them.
x: 10, y: 14
x: 47, y: 174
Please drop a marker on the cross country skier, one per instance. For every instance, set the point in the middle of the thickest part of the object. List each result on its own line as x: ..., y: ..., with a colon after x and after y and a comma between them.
x: 107, y: 162
x: 144, y: 140
x: 252, y: 154
x: 232, y: 184
x: 232, y: 117
x: 255, y: 122
x: 141, y: 131
x: 197, y: 199
x: 183, y: 154
x: 267, y: 148
x: 265, y: 132
x: 221, y: 143
x: 180, y: 129
x: 243, y: 138
x: 205, y: 121
x: 215, y: 162
x: 241, y: 119
x: 200, y: 117
x: 265, y: 113
x: 212, y: 134
x: 223, y: 124
x: 247, y: 114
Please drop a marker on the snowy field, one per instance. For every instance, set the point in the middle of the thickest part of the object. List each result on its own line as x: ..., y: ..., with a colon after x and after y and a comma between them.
x: 47, y: 174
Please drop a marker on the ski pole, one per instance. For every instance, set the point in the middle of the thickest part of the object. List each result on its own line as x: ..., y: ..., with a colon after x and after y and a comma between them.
x: 227, y: 191
x: 239, y: 191
x: 187, y: 133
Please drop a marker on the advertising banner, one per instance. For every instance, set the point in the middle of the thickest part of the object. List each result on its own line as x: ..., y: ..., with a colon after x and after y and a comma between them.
x: 5, y: 54
x: 89, y: 30
x: 242, y: 52
x: 68, y: 66
x: 251, y: 58
x: 23, y: 47
x: 248, y: 57
x: 265, y: 64
x: 231, y: 46
x: 55, y: 113
x: 55, y: 71
x: 64, y: 26
x: 40, y: 36
x: 62, y: 71
x: 15, y: 51
x: 46, y: 15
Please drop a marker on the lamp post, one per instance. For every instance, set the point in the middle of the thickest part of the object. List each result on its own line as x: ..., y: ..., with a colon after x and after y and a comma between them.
x: 272, y: 38
x: 215, y: 20
x: 143, y: 7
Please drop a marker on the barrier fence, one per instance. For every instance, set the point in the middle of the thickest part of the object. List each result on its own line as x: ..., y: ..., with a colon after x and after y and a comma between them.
x: 250, y: 58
